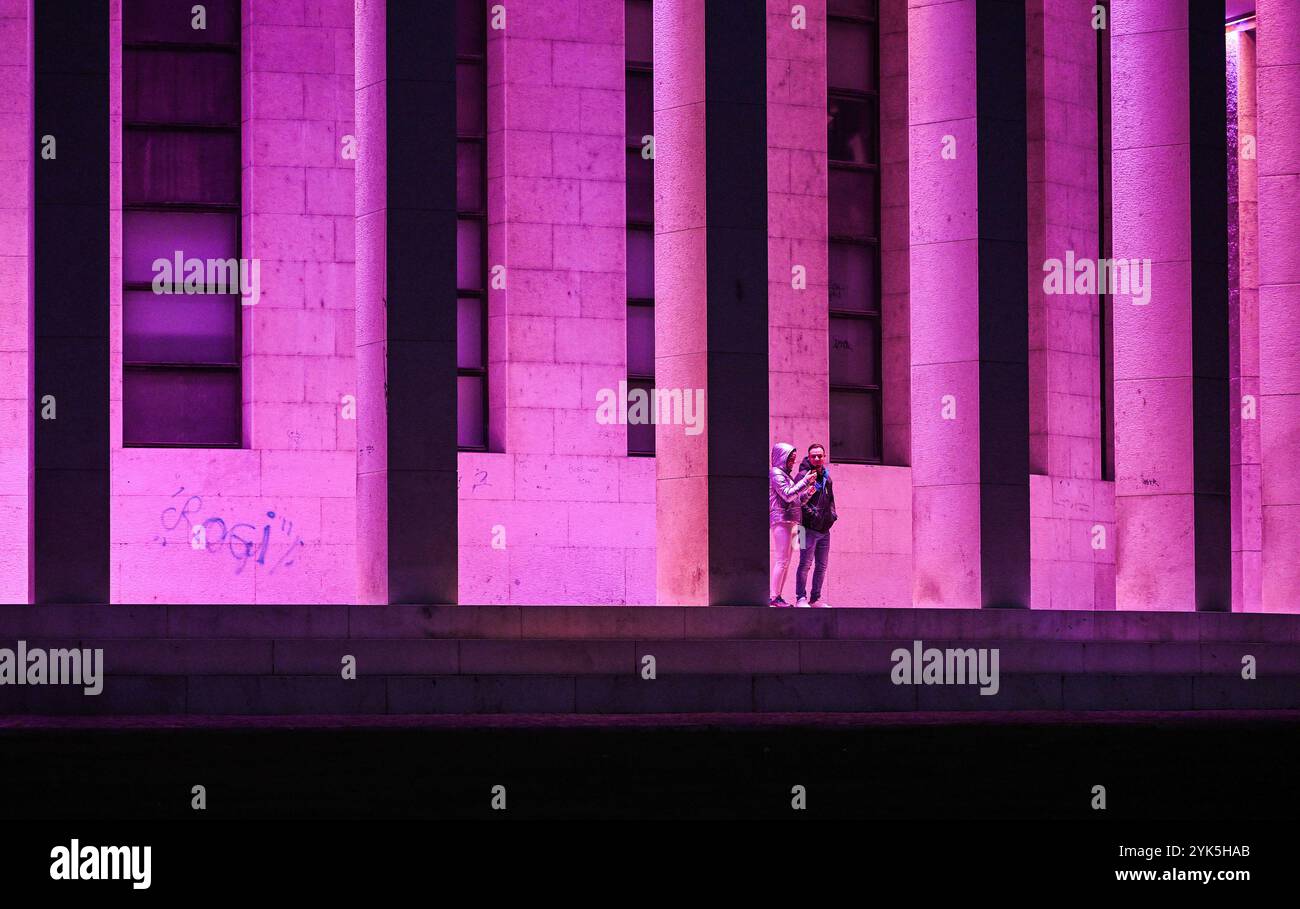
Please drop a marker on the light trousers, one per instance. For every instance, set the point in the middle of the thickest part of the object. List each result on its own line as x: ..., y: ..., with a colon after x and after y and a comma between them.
x: 783, y: 538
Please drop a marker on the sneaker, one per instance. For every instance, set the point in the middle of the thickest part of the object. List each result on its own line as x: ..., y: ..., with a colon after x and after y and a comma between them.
x: 777, y: 601
x: 821, y: 604
x: 803, y: 603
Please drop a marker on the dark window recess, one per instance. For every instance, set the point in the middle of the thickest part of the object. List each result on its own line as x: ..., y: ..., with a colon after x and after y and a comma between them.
x: 174, y: 22
x: 851, y: 137
x: 639, y: 45
x: 853, y: 152
x: 641, y: 265
x: 1105, y: 303
x: 181, y: 383
x: 471, y: 227
x: 641, y: 436
x: 865, y: 9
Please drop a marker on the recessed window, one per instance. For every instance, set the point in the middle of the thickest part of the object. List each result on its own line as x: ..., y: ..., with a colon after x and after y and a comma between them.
x: 638, y: 40
x: 854, y: 207
x: 641, y: 264
x: 851, y: 54
x: 179, y: 86
x: 471, y: 226
x: 181, y: 382
x: 640, y: 188
x: 469, y: 253
x: 167, y: 21
x: 640, y: 106
x: 640, y: 340
x: 639, y: 35
x: 170, y: 166
x: 1105, y: 302
x: 469, y: 333
x: 851, y: 8
x: 469, y: 405
x: 855, y: 423
x: 852, y: 134
x: 853, y: 210
x: 192, y: 329
x: 854, y: 347
x: 853, y: 286
x: 469, y: 176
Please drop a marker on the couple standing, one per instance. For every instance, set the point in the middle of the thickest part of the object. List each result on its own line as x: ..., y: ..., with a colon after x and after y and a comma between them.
x: 800, y: 512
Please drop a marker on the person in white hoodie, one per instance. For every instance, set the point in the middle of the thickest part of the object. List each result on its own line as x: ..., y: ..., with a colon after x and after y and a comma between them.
x: 785, y: 498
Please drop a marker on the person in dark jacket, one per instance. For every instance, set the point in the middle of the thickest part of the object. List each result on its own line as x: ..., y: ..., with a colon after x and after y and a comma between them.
x: 817, y: 517
x: 785, y: 495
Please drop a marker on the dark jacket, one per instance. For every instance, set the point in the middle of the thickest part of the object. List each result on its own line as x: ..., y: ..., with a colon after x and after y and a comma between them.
x: 819, y: 511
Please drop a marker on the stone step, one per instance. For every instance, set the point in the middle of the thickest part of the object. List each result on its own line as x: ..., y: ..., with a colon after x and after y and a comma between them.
x: 283, y: 695
x: 439, y: 656
x: 633, y: 623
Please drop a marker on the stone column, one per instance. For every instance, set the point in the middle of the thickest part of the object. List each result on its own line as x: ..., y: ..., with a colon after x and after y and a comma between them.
x: 1171, y: 338
x: 70, y: 303
x: 1278, y: 88
x: 1243, y: 321
x: 711, y: 328
x: 1065, y: 340
x: 406, y: 301
x: 15, y: 301
x: 969, y: 304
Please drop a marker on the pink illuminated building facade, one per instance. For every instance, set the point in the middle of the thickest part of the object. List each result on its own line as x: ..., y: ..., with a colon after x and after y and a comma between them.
x: 472, y: 224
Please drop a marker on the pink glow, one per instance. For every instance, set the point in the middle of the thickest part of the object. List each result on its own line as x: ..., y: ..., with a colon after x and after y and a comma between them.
x: 1154, y: 488
x: 15, y: 312
x: 298, y: 362
x: 584, y: 523
x: 1278, y: 84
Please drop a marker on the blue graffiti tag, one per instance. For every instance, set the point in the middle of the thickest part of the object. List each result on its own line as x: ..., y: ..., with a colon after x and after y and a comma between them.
x: 216, y: 534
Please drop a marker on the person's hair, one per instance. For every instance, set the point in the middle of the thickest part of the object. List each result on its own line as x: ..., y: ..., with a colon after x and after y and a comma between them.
x: 816, y: 445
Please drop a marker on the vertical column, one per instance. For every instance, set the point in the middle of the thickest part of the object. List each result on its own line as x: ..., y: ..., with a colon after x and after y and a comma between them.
x: 1063, y: 222
x: 711, y: 331
x: 1171, y: 335
x: 15, y: 300
x: 70, y: 287
x: 1278, y: 87
x: 1064, y: 315
x: 406, y: 300
x: 969, y: 304
x: 797, y: 221
x: 1243, y: 322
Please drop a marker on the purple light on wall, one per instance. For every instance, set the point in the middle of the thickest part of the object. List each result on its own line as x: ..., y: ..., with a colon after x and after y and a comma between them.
x: 573, y: 210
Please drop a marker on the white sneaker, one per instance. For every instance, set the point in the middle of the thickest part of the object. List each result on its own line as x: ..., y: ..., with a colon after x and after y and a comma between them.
x: 802, y: 603
x: 821, y: 604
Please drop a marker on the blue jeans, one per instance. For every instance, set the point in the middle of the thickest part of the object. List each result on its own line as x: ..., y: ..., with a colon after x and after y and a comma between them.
x: 815, y: 545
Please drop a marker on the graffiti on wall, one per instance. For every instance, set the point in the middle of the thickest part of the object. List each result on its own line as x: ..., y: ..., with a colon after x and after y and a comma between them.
x: 272, y: 544
x: 480, y: 479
